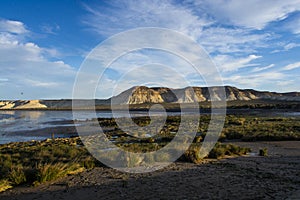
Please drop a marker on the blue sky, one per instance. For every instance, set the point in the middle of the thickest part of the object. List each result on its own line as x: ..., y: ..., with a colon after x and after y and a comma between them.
x: 255, y: 44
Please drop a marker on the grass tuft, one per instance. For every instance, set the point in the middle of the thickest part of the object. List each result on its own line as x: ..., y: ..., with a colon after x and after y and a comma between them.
x: 17, y: 175
x: 5, y: 185
x: 50, y: 172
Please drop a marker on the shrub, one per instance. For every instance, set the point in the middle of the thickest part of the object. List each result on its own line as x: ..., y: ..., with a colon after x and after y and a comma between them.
x: 221, y: 150
x: 193, y: 154
x: 17, y: 175
x: 4, y: 185
x: 263, y: 152
x: 89, y: 162
x: 6, y: 164
x: 198, y: 139
x: 49, y: 172
x: 217, y: 152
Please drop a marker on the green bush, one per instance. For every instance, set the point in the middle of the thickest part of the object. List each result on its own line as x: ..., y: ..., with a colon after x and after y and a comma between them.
x: 193, y: 154
x: 263, y: 152
x: 217, y: 152
x: 49, y: 172
x: 6, y: 164
x: 221, y: 150
x: 17, y: 175
x: 5, y: 185
x: 89, y: 162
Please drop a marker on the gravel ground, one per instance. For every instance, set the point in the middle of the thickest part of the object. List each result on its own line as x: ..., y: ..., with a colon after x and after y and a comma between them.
x: 276, y: 176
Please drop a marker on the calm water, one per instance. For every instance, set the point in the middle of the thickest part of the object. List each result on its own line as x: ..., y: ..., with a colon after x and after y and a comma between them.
x: 12, y: 121
x: 15, y: 121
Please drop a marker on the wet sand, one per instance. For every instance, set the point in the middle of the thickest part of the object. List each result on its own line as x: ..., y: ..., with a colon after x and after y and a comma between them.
x: 276, y: 176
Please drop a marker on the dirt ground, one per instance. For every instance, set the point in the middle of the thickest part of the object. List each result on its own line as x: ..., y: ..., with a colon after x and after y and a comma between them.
x: 276, y: 176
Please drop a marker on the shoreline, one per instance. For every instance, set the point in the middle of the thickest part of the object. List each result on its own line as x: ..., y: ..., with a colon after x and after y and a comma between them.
x: 244, y: 177
x: 67, y: 128
x: 175, y: 107
x: 226, y: 175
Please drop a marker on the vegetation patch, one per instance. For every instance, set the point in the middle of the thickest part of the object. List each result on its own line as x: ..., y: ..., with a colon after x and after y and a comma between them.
x: 35, y: 162
x: 32, y: 163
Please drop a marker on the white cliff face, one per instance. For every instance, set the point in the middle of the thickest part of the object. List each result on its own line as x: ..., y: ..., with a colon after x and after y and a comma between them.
x: 142, y: 94
x: 31, y: 104
x: 7, y: 104
x: 145, y: 95
x: 138, y: 95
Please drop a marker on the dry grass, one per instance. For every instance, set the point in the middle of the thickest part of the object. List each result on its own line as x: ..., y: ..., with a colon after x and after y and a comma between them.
x: 5, y: 185
x: 50, y: 172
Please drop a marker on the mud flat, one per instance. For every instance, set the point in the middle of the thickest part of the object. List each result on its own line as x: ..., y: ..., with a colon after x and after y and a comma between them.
x: 275, y: 176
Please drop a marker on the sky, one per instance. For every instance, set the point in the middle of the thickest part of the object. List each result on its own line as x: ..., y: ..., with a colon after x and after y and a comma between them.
x: 254, y: 44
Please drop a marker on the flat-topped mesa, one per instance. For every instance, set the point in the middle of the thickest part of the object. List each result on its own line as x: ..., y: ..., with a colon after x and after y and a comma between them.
x: 143, y: 94
x: 22, y: 104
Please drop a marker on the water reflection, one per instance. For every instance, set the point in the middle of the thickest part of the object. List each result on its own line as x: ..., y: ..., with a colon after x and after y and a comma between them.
x: 34, y: 115
x: 19, y: 120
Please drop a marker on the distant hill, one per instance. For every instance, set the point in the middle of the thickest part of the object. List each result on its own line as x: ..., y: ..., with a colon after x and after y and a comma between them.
x: 142, y: 94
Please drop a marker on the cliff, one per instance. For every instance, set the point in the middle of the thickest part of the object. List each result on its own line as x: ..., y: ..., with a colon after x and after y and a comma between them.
x: 143, y: 94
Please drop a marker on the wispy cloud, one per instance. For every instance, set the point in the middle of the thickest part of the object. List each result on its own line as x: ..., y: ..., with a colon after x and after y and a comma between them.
x: 294, y: 24
x: 25, y: 66
x: 233, y: 32
x: 233, y: 40
x: 258, y: 69
x: 50, y: 29
x: 117, y: 16
x: 254, y: 14
x: 265, y: 80
x: 205, y: 21
x: 228, y: 63
x: 286, y: 47
x: 291, y: 66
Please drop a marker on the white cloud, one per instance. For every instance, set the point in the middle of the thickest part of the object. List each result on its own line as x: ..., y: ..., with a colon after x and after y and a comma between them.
x: 26, y: 69
x: 262, y: 81
x: 290, y: 46
x: 286, y: 47
x: 255, y: 14
x: 194, y: 21
x: 43, y: 84
x: 285, y: 83
x: 227, y: 40
x: 50, y: 29
x: 170, y: 52
x: 291, y: 66
x: 123, y: 15
x: 10, y: 26
x: 237, y: 34
x: 258, y: 69
x: 294, y: 24
x: 150, y: 75
x: 228, y: 63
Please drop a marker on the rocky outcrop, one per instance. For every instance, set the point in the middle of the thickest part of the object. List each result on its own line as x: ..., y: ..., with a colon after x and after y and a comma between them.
x: 138, y: 95
x: 30, y: 104
x: 142, y: 94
